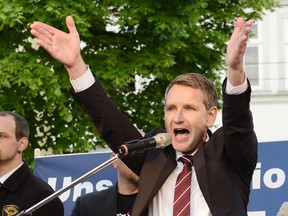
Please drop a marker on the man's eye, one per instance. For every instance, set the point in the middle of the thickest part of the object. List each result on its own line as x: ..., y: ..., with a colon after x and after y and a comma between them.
x: 169, y: 109
x: 189, y: 108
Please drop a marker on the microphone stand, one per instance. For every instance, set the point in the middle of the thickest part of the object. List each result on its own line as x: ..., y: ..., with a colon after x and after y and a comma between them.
x: 72, y: 184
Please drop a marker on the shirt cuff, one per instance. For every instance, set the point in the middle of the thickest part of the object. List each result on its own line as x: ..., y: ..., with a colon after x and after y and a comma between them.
x: 84, y: 81
x: 235, y: 90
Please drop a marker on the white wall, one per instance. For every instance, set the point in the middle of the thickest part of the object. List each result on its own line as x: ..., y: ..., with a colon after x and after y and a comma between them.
x: 270, y: 121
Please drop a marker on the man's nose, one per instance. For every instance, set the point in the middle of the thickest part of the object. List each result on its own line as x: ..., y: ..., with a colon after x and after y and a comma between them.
x: 179, y: 117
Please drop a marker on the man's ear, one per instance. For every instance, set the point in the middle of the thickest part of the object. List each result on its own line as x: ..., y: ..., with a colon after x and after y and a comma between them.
x: 212, y: 114
x: 23, y: 144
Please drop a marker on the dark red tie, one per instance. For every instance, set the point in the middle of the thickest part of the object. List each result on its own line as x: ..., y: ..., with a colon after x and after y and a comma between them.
x: 182, y: 188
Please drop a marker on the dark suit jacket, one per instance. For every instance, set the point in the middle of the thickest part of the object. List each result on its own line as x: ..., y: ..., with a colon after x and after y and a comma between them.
x: 22, y: 190
x: 102, y: 203
x: 224, y: 165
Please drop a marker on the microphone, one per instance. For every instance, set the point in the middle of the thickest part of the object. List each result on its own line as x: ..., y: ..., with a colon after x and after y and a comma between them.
x: 161, y: 140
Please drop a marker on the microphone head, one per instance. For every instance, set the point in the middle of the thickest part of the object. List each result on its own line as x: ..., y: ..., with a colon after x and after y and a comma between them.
x: 162, y: 140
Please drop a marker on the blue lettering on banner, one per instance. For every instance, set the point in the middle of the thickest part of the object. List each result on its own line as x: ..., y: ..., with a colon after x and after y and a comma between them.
x: 269, y: 187
x: 61, y: 170
x: 79, y: 189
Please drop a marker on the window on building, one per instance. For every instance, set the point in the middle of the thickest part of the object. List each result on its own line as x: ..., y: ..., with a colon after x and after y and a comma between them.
x: 251, y: 58
x: 251, y: 65
x: 254, y: 30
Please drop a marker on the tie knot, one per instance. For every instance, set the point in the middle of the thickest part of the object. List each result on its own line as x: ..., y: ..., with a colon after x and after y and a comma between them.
x: 186, y: 159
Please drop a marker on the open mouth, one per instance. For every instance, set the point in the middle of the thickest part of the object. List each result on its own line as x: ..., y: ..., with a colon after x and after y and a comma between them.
x: 181, y: 131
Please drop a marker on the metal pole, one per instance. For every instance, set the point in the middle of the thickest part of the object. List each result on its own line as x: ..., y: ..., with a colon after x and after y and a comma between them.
x: 72, y: 184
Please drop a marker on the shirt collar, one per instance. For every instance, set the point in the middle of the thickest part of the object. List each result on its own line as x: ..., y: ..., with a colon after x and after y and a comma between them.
x: 7, y: 175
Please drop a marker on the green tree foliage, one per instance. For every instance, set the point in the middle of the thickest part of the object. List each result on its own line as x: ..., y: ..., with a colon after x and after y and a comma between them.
x: 154, y: 39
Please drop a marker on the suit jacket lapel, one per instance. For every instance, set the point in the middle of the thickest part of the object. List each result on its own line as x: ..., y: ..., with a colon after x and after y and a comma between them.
x: 156, y: 170
x: 200, y: 169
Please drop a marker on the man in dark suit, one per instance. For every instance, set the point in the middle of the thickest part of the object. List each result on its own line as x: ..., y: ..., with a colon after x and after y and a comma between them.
x: 19, y: 188
x: 223, y: 163
x: 116, y: 200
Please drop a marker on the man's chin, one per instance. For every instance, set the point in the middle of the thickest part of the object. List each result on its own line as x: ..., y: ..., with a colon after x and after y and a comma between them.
x: 180, y: 148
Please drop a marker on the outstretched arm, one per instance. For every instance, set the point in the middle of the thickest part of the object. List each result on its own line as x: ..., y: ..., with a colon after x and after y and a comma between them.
x: 240, y: 138
x: 114, y: 128
x: 64, y: 47
x: 236, y: 50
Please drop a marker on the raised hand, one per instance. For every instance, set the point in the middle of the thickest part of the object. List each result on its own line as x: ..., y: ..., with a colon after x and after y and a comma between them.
x: 236, y: 50
x: 64, y: 47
